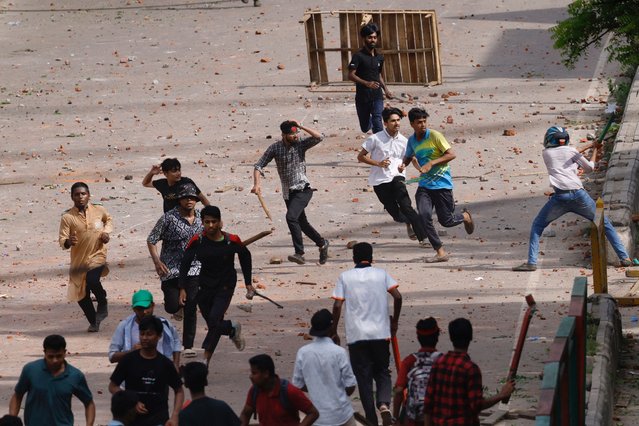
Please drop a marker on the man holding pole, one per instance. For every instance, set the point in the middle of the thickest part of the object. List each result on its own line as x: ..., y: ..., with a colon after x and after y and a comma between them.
x: 290, y: 158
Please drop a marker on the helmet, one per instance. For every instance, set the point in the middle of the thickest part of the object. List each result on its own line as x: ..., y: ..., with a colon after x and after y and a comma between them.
x: 553, y: 135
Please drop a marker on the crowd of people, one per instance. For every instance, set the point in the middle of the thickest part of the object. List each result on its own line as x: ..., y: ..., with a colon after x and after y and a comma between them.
x: 197, y: 270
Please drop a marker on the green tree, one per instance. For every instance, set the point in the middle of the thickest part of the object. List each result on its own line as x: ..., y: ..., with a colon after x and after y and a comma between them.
x: 590, y: 21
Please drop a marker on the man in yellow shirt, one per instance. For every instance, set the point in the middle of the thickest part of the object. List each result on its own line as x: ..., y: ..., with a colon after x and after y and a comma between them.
x: 85, y: 229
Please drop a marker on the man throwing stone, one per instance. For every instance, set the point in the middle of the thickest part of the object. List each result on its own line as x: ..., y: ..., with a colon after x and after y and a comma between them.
x: 85, y: 229
x: 290, y: 158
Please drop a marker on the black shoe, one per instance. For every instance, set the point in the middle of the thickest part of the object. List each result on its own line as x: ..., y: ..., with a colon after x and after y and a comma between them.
x: 323, y: 255
x: 525, y: 267
x: 102, y: 312
x: 297, y: 258
x: 94, y: 328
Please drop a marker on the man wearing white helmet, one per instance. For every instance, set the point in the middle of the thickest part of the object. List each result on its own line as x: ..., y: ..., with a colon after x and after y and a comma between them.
x: 562, y: 162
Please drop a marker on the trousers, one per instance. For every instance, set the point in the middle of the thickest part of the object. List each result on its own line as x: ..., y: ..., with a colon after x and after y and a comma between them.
x: 93, y: 285
x: 172, y: 305
x: 394, y: 196
x: 297, y: 221
x: 444, y: 204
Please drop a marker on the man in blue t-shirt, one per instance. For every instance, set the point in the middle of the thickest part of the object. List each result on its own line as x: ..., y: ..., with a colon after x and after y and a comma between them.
x: 49, y: 384
x: 433, y: 153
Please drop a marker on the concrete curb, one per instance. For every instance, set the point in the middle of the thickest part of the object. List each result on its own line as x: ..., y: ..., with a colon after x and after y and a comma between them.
x: 601, y: 399
x: 620, y: 188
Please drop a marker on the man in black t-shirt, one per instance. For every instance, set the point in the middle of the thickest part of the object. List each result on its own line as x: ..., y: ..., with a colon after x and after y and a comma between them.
x: 365, y: 70
x: 171, y: 185
x: 150, y: 374
x: 216, y: 252
x: 202, y: 408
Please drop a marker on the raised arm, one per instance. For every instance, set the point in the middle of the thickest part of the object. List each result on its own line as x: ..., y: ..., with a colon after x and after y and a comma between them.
x: 148, y: 178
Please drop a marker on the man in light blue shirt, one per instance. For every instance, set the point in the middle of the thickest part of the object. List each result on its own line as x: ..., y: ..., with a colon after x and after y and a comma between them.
x: 322, y: 369
x: 127, y: 335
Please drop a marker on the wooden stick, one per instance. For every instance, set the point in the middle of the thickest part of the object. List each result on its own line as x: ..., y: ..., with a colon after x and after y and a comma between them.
x: 256, y: 237
x: 268, y: 214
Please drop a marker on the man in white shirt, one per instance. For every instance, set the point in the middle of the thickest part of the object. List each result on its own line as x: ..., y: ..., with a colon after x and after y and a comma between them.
x: 322, y: 369
x: 562, y: 162
x: 384, y: 151
x: 363, y: 292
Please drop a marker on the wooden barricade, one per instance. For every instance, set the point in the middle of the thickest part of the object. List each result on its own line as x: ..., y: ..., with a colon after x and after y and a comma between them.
x: 562, y: 399
x: 409, y: 43
x: 598, y: 248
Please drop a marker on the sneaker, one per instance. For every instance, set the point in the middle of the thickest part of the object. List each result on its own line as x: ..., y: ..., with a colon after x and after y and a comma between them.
x: 93, y: 328
x: 179, y: 315
x: 410, y: 232
x: 102, y: 312
x: 236, y: 337
x: 323, y: 253
x: 387, y: 416
x: 625, y: 262
x: 189, y: 353
x: 525, y: 267
x: 298, y: 258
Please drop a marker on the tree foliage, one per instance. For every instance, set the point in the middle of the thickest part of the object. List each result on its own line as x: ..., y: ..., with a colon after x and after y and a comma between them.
x: 588, y: 24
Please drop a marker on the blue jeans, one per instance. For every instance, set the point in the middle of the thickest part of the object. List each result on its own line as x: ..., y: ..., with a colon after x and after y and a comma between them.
x: 369, y: 113
x: 562, y: 202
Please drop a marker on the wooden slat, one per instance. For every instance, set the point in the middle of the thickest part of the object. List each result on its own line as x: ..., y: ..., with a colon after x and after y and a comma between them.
x: 344, y: 45
x: 319, y: 33
x: 419, y: 44
x: 311, y: 42
x: 428, y: 42
x: 437, y: 78
x: 410, y: 45
x: 385, y: 28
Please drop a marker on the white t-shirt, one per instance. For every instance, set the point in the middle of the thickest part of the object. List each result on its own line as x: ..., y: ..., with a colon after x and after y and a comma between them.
x: 562, y: 163
x: 381, y: 145
x: 365, y: 295
x: 324, y: 368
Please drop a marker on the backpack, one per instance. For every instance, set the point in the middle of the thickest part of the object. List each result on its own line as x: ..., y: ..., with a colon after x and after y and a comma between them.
x: 417, y: 383
x: 283, y: 397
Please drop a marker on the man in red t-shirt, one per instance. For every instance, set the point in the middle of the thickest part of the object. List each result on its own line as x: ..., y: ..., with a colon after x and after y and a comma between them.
x: 413, y: 375
x: 274, y: 404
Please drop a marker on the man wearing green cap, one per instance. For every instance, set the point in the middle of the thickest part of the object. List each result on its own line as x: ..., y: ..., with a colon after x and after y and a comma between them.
x: 127, y: 335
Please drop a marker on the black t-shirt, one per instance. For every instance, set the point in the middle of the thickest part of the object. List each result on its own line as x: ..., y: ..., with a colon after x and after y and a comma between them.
x: 170, y: 193
x: 150, y: 379
x: 218, y: 261
x: 367, y: 67
x: 207, y: 411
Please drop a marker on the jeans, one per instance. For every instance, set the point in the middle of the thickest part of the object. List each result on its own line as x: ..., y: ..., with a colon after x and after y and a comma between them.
x: 213, y: 304
x: 443, y: 202
x: 93, y: 285
x: 369, y: 113
x: 396, y: 201
x: 297, y: 221
x: 370, y: 360
x: 172, y: 305
x: 562, y: 202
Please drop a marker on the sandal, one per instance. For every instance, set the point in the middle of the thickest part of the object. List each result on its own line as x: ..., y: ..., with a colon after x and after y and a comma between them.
x: 470, y: 225
x: 436, y: 259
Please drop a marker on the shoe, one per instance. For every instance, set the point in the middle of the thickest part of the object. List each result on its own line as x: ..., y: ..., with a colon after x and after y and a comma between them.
x: 102, y: 312
x: 179, y: 315
x: 470, y: 225
x: 237, y: 338
x: 257, y: 3
x: 436, y: 259
x: 525, y: 267
x: 625, y: 262
x: 410, y: 232
x: 189, y: 353
x: 244, y: 1
x: 323, y: 255
x: 298, y: 258
x: 425, y: 244
x: 93, y: 328
x: 387, y: 416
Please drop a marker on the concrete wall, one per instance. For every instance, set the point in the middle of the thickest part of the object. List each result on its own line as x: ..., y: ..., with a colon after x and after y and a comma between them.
x: 620, y: 189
